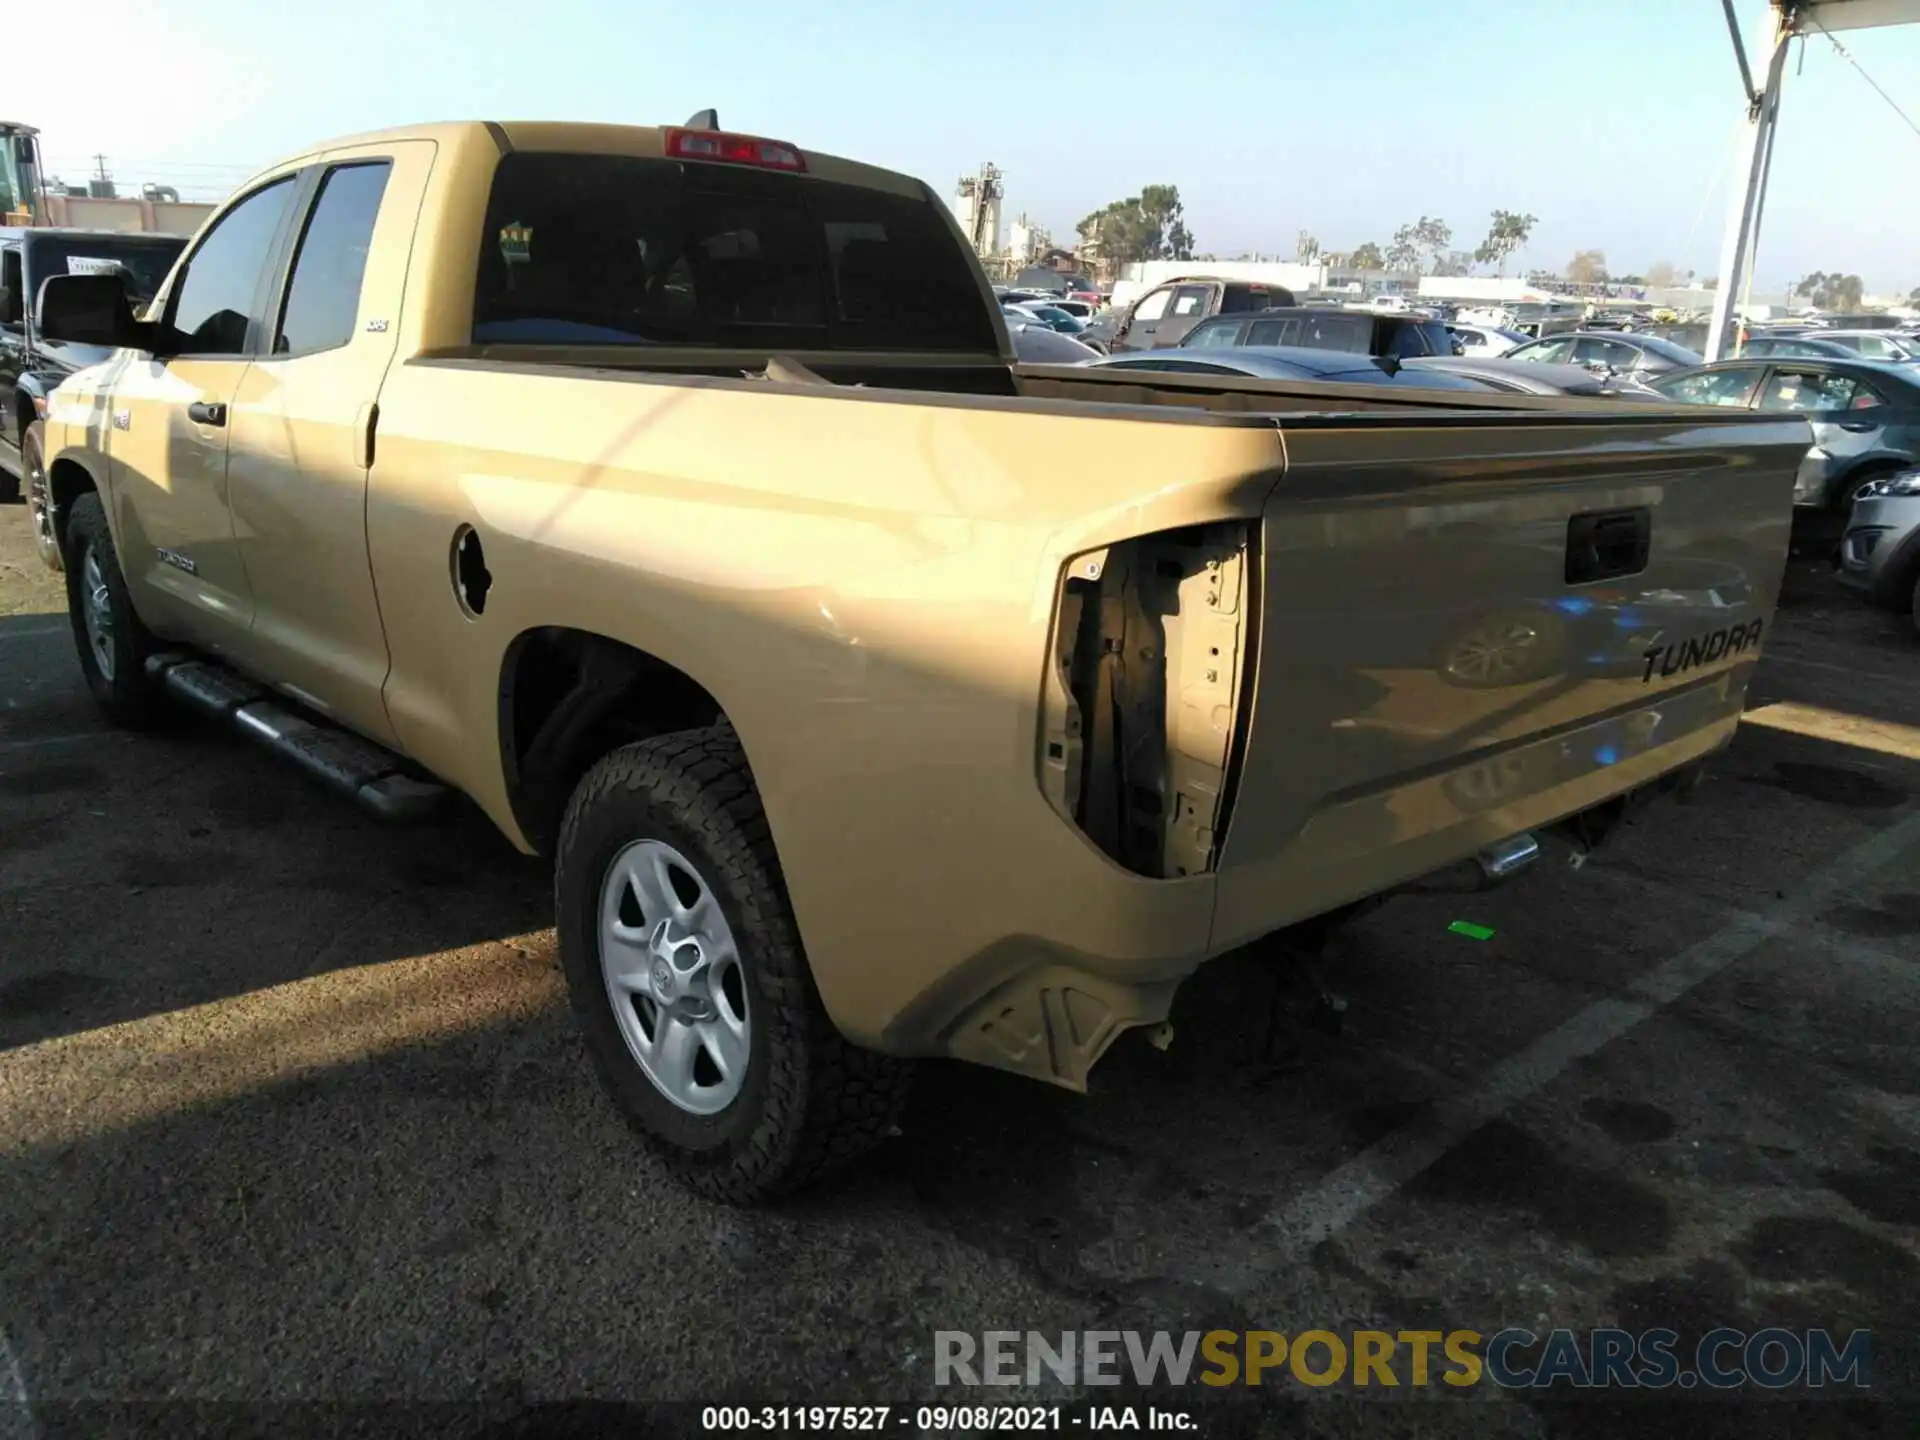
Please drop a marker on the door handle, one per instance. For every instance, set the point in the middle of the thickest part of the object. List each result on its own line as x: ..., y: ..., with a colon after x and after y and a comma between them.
x: 1606, y: 544
x: 207, y: 412
x: 1859, y: 427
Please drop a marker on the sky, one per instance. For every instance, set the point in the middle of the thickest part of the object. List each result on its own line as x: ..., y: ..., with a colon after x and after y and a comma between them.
x: 1613, y: 121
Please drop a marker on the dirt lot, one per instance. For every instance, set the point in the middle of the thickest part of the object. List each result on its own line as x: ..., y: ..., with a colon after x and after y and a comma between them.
x: 291, y: 1112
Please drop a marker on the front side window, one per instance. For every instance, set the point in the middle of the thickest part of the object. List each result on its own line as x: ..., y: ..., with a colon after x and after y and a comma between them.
x: 212, y: 308
x: 1546, y: 352
x: 620, y: 250
x: 1154, y: 306
x: 323, y: 298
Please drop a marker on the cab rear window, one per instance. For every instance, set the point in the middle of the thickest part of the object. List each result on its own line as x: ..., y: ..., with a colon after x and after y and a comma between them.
x: 617, y: 250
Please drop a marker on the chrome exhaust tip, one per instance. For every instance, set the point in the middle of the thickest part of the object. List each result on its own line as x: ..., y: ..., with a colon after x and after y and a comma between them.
x: 1508, y: 858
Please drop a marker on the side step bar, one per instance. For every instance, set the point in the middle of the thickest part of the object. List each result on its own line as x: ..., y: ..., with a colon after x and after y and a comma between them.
x: 375, y: 778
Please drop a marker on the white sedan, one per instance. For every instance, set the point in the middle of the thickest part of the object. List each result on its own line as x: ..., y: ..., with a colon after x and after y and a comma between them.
x: 1484, y: 341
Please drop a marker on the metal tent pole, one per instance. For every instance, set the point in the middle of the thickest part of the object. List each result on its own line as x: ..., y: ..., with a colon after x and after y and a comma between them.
x: 1743, y: 221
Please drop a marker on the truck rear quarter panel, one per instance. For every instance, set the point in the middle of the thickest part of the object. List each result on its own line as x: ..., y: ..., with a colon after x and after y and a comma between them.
x: 865, y: 581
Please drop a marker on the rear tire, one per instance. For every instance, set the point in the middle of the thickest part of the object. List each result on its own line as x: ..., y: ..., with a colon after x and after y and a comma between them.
x: 792, y: 1100
x: 112, y: 642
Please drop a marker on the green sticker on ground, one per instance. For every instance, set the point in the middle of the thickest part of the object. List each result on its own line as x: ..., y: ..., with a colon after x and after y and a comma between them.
x: 1471, y: 930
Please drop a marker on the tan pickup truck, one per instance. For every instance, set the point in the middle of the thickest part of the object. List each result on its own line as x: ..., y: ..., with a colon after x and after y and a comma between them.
x: 673, y: 494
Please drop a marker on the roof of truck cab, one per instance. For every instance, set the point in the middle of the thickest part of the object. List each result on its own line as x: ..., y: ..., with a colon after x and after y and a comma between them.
x: 639, y: 141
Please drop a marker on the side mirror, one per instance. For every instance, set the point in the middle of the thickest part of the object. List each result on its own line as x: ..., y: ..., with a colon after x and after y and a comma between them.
x: 90, y: 310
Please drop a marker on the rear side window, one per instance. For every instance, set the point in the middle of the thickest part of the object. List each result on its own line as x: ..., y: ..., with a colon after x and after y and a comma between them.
x: 615, y: 250
x: 1334, y: 331
x: 1406, y: 341
x: 1213, y: 334
x: 1808, y: 391
x: 1239, y: 299
x: 1274, y: 332
x: 1191, y: 300
x: 323, y: 299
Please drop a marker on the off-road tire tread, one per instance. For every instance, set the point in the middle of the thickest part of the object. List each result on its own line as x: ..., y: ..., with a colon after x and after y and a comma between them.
x: 131, y: 698
x: 827, y: 1102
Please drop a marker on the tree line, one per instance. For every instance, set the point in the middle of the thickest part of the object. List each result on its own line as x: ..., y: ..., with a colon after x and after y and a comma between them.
x: 1152, y: 226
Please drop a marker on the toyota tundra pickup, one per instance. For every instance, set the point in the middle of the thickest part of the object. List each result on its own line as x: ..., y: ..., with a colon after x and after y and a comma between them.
x: 673, y: 494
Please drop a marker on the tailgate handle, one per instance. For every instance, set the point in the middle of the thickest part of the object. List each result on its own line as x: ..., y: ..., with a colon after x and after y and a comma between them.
x: 1604, y: 544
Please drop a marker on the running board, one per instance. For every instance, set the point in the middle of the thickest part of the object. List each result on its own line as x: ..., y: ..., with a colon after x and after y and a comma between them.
x: 375, y: 778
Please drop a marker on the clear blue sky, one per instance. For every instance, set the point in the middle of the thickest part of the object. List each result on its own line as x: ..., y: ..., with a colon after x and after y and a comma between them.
x: 1611, y: 120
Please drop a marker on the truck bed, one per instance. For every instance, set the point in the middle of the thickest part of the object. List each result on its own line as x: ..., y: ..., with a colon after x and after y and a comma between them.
x: 874, y: 582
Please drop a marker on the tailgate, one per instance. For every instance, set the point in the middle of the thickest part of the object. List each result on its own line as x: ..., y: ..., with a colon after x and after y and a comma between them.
x: 1473, y: 625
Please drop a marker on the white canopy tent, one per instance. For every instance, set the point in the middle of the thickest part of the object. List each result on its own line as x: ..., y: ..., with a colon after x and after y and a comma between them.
x: 1786, y: 21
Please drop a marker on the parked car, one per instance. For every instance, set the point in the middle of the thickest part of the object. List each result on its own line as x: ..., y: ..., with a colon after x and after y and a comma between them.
x: 1484, y: 340
x: 1165, y: 314
x: 1079, y: 309
x: 1614, y: 351
x: 1865, y: 416
x: 1791, y: 347
x: 1357, y: 332
x: 1053, y: 317
x: 1880, y: 549
x: 1036, y: 344
x: 1874, y: 344
x: 32, y: 366
x: 1533, y: 377
x: 1290, y: 362
x: 870, y: 708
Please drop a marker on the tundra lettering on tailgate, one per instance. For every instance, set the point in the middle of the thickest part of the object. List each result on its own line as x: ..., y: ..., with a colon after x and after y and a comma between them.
x: 1701, y: 650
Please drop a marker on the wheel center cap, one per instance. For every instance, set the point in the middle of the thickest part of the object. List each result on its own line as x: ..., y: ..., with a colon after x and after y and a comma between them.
x: 663, y: 982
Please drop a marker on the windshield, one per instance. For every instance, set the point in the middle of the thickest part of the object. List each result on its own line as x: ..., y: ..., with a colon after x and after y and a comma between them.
x: 144, y: 262
x: 616, y: 250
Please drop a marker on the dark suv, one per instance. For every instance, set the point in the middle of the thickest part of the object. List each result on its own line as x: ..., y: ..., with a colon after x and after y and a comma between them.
x: 1165, y: 314
x: 1358, y: 332
x: 30, y: 365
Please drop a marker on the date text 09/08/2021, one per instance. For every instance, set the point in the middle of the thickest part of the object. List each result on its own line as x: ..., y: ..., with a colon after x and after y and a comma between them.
x: 934, y: 1419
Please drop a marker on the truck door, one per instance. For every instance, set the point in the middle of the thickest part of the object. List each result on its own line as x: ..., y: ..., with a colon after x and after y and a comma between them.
x: 305, y: 424
x: 1191, y: 305
x: 167, y: 441
x: 1137, y: 331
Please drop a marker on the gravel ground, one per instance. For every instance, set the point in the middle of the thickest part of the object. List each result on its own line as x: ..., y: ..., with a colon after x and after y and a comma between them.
x: 292, y: 1114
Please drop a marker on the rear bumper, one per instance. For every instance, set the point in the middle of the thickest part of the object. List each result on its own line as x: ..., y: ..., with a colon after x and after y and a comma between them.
x: 1036, y: 1007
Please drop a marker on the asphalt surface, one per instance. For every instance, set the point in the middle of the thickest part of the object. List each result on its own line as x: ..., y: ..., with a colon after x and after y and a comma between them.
x: 291, y: 1113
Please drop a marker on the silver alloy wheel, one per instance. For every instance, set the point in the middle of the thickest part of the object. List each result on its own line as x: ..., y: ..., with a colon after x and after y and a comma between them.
x: 673, y: 976
x: 1494, y: 651
x: 97, y: 610
x: 41, y: 511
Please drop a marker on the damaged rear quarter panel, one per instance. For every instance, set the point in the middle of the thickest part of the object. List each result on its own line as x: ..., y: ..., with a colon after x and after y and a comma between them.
x: 865, y: 581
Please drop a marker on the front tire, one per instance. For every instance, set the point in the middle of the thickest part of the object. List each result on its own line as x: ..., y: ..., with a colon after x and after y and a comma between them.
x: 689, y: 983
x: 112, y: 642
